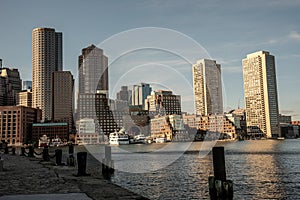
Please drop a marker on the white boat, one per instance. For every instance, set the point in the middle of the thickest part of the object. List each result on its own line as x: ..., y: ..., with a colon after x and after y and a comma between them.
x: 161, y: 140
x: 118, y: 138
x: 139, y: 138
x: 44, y: 141
x: 56, y: 142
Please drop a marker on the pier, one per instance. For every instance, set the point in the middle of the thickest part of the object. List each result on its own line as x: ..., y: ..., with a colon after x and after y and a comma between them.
x: 25, y: 176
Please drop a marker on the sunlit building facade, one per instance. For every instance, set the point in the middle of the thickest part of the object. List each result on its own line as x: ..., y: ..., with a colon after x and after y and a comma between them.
x: 207, y: 87
x: 260, y: 92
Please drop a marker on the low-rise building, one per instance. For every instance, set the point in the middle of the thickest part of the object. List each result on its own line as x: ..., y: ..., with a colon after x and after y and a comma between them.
x: 86, y: 132
x: 51, y: 130
x: 16, y: 124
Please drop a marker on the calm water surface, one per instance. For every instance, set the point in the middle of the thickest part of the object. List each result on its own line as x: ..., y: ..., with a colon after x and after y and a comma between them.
x: 260, y: 169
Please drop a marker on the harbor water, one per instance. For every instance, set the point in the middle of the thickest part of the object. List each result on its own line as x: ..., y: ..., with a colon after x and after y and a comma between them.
x: 260, y: 169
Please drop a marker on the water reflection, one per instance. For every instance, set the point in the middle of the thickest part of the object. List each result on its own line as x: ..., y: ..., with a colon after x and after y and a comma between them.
x: 267, y: 169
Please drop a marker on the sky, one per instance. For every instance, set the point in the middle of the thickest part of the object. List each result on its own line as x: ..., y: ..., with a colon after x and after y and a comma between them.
x: 225, y: 31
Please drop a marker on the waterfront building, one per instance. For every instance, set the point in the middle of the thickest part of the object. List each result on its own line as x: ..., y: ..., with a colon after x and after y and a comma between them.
x: 26, y: 85
x: 170, y: 127
x: 207, y: 87
x: 191, y: 120
x: 46, y: 59
x: 136, y: 121
x: 16, y: 124
x: 24, y: 98
x: 163, y: 102
x: 140, y: 93
x: 86, y: 132
x: 51, y: 130
x: 218, y: 126
x: 287, y: 119
x: 12, y: 83
x: 260, y: 92
x: 62, y: 90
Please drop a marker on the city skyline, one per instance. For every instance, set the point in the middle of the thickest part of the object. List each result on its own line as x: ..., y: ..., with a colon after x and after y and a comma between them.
x: 227, y: 42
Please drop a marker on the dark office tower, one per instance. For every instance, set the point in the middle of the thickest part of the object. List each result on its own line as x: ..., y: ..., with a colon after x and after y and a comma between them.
x: 93, y: 79
x: 62, y: 97
x: 93, y: 71
x: 12, y: 85
x: 58, y: 52
x: 46, y: 59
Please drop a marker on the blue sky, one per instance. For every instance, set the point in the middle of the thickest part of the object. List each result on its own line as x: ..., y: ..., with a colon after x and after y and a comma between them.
x: 227, y: 30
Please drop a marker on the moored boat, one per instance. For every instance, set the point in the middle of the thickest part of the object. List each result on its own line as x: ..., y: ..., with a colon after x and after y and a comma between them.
x: 118, y: 138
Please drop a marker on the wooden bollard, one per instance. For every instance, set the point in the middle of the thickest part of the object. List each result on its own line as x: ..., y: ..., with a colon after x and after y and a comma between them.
x: 219, y: 186
x: 31, y: 152
x: 46, y: 156
x: 81, y: 162
x: 107, y: 163
x: 219, y: 163
x: 13, y: 151
x: 22, y: 151
x: 6, y: 149
x: 71, y: 159
x: 58, y: 156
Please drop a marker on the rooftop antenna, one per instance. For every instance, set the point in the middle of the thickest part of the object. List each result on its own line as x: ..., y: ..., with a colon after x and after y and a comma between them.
x: 0, y: 63
x: 239, y: 103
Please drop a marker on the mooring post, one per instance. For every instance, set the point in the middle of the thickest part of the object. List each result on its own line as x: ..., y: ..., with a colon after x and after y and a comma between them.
x: 13, y: 151
x: 22, y: 151
x: 219, y: 163
x: 71, y: 159
x: 219, y: 186
x: 46, y: 156
x: 81, y: 163
x: 58, y: 156
x: 107, y: 163
x: 6, y: 149
x: 31, y: 152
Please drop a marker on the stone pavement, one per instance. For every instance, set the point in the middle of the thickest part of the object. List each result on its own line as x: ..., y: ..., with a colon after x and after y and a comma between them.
x: 31, y: 178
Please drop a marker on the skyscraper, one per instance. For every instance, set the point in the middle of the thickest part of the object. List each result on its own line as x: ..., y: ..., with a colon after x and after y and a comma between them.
x: 207, y: 87
x: 46, y: 58
x: 260, y: 91
x: 139, y: 94
x: 62, y: 97
x: 93, y: 80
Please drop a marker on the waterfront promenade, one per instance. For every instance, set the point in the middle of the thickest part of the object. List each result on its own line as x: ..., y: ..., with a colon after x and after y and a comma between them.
x: 32, y: 178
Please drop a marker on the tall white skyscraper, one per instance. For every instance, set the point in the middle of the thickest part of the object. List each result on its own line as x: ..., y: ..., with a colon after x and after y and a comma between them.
x: 260, y: 92
x: 207, y: 87
x: 46, y: 58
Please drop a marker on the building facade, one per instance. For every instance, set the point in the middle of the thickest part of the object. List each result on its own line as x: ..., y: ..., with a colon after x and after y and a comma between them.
x: 164, y: 103
x: 93, y: 81
x: 26, y: 85
x: 16, y: 124
x: 62, y: 97
x: 260, y: 93
x: 51, y: 130
x: 139, y: 93
x: 11, y: 85
x: 207, y: 87
x: 24, y: 98
x: 46, y: 59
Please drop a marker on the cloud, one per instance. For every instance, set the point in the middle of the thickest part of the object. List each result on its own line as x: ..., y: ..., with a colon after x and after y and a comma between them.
x: 294, y: 35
